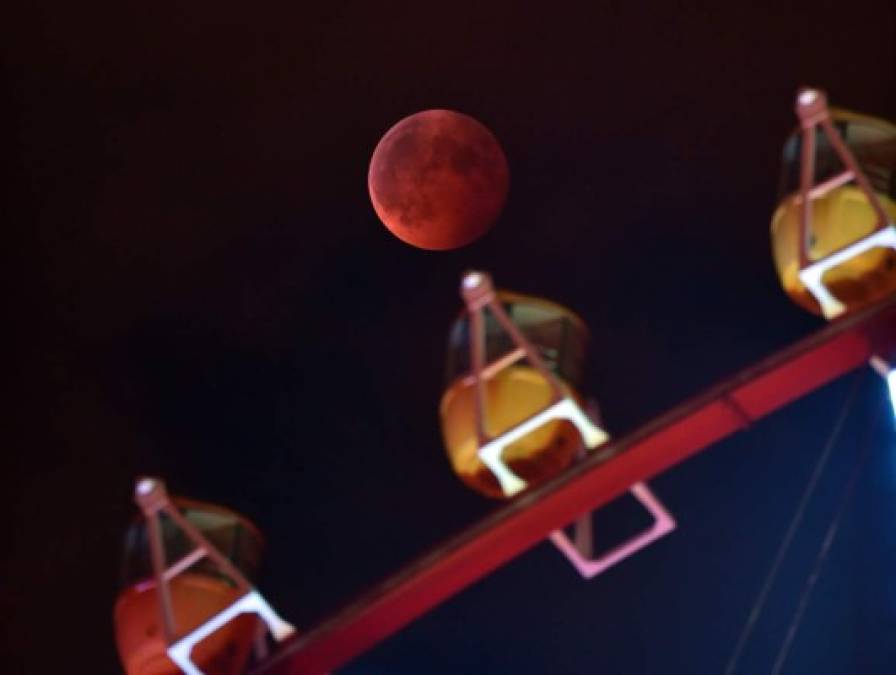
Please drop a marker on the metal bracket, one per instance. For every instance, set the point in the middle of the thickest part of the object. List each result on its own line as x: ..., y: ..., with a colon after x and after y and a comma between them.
x: 580, y: 553
x: 811, y: 276
x: 253, y: 602
x: 567, y: 409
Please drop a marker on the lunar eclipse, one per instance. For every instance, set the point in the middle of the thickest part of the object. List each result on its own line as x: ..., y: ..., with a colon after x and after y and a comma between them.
x: 438, y: 179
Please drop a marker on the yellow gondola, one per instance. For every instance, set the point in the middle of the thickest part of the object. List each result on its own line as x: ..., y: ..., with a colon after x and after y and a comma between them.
x: 514, y: 392
x: 197, y: 593
x: 841, y: 213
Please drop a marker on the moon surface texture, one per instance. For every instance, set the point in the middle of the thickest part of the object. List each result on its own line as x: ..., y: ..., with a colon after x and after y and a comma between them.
x: 438, y: 179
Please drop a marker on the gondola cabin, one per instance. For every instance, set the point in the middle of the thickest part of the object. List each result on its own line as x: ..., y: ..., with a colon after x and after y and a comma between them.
x: 513, y: 393
x: 852, y: 270
x: 196, y: 593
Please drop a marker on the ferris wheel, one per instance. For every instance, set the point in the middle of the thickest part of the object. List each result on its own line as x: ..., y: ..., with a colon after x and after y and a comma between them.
x: 518, y: 425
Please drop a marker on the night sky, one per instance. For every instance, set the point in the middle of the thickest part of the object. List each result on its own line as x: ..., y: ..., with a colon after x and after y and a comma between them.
x: 202, y: 291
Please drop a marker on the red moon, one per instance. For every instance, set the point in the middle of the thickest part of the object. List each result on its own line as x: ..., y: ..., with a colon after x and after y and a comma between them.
x: 438, y: 179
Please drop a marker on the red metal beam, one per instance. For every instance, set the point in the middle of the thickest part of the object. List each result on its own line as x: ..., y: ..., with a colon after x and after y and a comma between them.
x: 607, y: 473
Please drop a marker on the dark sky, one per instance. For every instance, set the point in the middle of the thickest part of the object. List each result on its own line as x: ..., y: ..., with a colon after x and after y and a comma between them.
x: 202, y: 291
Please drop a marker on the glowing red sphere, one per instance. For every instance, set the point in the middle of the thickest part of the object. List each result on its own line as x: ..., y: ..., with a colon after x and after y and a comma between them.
x: 438, y: 179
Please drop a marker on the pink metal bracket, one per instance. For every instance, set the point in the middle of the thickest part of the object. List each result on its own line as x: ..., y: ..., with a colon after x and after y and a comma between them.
x: 812, y: 110
x: 153, y: 499
x: 580, y: 551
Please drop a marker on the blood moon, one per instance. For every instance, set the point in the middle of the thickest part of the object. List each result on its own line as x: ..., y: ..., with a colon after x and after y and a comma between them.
x: 438, y: 179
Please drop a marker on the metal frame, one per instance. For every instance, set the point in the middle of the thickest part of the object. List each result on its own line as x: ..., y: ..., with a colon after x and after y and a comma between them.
x: 812, y: 111
x: 152, y: 498
x: 579, y: 550
x: 602, y: 476
x: 478, y: 293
